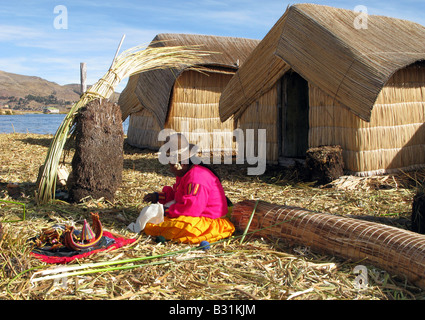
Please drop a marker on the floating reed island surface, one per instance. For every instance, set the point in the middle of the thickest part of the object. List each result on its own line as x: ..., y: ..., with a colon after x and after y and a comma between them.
x: 255, y: 268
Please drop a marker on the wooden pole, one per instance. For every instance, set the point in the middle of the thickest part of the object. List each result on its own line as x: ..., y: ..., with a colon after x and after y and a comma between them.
x: 118, y: 50
x: 83, y: 75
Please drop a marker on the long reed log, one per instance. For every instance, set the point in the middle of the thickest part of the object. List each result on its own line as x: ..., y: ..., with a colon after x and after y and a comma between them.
x: 399, y: 252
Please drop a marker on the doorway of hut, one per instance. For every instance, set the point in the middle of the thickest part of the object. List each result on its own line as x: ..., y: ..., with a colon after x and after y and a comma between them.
x: 293, y: 117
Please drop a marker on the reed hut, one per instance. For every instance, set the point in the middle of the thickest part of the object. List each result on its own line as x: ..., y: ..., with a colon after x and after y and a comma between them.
x: 330, y: 79
x: 184, y: 99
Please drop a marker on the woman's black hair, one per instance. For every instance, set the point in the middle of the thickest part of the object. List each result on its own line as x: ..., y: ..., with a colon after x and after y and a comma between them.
x: 229, y: 203
x: 205, y: 166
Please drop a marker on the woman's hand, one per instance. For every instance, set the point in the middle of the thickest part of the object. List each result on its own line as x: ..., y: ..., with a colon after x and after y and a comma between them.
x: 151, y: 197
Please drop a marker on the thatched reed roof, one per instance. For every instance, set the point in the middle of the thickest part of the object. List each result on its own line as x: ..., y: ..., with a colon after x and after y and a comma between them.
x: 323, y: 45
x: 152, y: 90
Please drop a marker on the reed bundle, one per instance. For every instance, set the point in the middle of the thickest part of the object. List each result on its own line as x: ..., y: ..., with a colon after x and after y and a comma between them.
x: 132, y: 61
x: 395, y: 250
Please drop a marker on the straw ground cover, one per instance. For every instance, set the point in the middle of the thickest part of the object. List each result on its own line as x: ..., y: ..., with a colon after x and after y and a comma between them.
x: 257, y: 268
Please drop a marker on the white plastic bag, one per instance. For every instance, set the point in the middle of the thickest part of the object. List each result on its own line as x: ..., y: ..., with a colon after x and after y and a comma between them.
x: 152, y: 214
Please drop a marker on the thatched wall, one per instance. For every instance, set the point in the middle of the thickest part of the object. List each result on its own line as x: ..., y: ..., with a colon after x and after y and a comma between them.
x: 193, y: 110
x: 143, y: 130
x: 393, y: 139
x: 263, y: 114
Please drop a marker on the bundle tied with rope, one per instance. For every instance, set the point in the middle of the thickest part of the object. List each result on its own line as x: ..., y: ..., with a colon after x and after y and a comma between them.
x: 398, y: 251
x: 132, y: 61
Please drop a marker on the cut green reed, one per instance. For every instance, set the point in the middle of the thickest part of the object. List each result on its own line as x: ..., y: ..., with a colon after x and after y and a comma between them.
x: 97, y: 267
x: 249, y: 221
x: 132, y: 61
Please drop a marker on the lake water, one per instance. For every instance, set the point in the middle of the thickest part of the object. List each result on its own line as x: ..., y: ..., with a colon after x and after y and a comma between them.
x: 35, y: 123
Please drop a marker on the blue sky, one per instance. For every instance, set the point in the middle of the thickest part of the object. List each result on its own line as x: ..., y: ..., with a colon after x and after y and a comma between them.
x: 31, y: 45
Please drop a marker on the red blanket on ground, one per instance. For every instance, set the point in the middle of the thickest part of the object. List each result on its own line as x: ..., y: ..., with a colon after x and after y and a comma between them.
x: 109, y: 242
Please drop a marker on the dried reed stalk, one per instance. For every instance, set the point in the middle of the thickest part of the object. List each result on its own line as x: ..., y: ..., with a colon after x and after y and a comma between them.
x: 395, y: 250
x: 130, y: 62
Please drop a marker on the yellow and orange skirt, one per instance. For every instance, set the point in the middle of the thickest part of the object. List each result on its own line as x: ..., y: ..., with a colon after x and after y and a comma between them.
x: 191, y: 230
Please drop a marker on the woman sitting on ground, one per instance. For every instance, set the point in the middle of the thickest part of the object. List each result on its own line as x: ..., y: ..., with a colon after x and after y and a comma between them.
x: 198, y: 206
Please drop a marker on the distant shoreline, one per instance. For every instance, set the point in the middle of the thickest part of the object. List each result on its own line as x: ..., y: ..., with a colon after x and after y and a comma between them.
x: 27, y: 134
x: 9, y: 112
x: 36, y: 122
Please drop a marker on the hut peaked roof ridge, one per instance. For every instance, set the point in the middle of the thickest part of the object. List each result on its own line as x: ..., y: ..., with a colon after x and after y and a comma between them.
x: 224, y: 51
x: 227, y: 52
x: 349, y: 62
x: 364, y: 56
